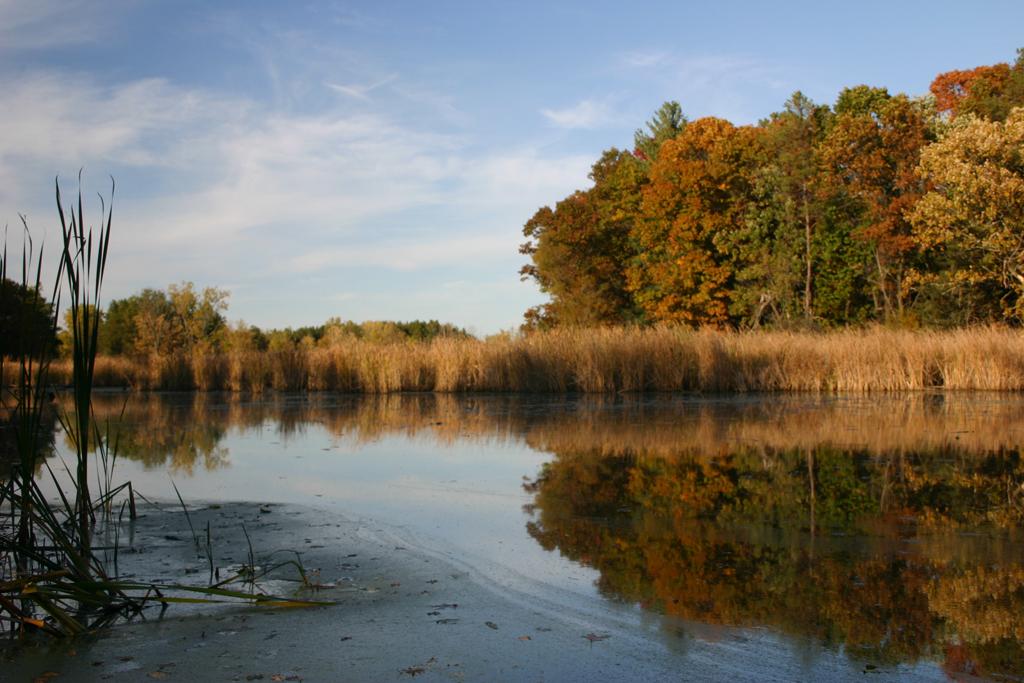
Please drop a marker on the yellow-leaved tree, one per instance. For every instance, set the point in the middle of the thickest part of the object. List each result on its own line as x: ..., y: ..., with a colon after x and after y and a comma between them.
x: 972, y: 218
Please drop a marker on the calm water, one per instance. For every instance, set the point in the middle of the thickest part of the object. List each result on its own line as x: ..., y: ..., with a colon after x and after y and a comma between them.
x: 884, y: 532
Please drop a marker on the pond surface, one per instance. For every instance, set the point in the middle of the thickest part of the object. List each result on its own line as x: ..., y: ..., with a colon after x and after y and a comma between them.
x: 884, y: 533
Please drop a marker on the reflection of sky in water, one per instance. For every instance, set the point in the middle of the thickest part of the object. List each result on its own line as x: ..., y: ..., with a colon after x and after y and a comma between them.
x: 462, y: 498
x: 446, y: 475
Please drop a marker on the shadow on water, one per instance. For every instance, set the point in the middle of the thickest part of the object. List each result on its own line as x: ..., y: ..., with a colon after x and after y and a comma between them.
x: 889, y: 528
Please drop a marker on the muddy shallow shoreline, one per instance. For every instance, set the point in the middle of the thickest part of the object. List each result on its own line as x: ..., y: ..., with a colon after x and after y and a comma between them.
x: 401, y: 611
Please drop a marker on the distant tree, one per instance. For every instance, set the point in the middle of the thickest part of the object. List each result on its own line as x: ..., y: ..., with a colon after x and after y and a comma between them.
x: 666, y: 123
x: 242, y: 337
x: 425, y: 330
x: 197, y: 318
x: 65, y: 338
x: 281, y: 340
x: 382, y: 331
x: 117, y: 330
x: 154, y: 321
x: 26, y: 320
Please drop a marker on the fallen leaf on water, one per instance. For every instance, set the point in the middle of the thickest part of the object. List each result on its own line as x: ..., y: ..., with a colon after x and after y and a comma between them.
x: 159, y: 675
x: 525, y: 638
x: 594, y: 637
x: 420, y: 669
x: 491, y: 624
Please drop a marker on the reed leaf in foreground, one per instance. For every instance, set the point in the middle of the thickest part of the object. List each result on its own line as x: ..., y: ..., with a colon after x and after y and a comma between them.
x: 52, y: 577
x: 85, y: 262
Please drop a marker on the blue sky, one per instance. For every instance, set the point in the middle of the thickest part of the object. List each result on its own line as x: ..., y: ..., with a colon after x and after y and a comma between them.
x: 377, y: 160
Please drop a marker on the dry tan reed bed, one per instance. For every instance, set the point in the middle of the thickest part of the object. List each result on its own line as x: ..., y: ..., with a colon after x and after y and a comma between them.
x: 604, y: 361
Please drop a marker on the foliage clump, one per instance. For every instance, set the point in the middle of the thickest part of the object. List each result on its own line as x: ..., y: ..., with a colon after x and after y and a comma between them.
x: 880, y: 208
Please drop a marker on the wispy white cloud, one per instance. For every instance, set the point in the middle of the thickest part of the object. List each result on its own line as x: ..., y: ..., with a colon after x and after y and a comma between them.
x: 586, y: 114
x: 361, y: 92
x: 58, y: 116
x: 229, y: 179
x: 644, y: 59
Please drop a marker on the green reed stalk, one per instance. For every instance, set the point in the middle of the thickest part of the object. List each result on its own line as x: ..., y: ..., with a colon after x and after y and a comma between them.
x: 57, y: 584
x: 26, y: 401
x: 85, y: 262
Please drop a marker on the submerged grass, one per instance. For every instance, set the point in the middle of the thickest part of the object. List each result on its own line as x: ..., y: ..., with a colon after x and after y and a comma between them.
x: 604, y: 360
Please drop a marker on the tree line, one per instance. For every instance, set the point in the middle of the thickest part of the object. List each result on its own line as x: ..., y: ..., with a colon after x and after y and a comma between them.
x: 185, y: 320
x: 879, y: 208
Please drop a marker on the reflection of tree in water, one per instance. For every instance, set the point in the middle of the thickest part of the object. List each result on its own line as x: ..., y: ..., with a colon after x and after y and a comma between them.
x: 826, y: 518
x: 815, y: 542
x: 184, y: 431
x: 179, y: 435
x: 10, y: 457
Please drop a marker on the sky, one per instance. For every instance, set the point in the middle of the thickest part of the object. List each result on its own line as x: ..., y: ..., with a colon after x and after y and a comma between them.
x: 377, y: 160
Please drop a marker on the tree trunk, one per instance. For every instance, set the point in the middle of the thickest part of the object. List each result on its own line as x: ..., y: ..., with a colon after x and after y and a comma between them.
x: 807, y: 255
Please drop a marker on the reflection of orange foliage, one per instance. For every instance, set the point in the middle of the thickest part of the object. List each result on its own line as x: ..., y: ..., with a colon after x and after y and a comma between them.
x: 983, y: 604
x: 722, y: 539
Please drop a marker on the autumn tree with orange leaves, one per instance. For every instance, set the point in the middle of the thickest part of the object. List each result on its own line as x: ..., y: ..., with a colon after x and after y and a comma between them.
x: 699, y: 188
x: 986, y: 91
x: 811, y: 218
